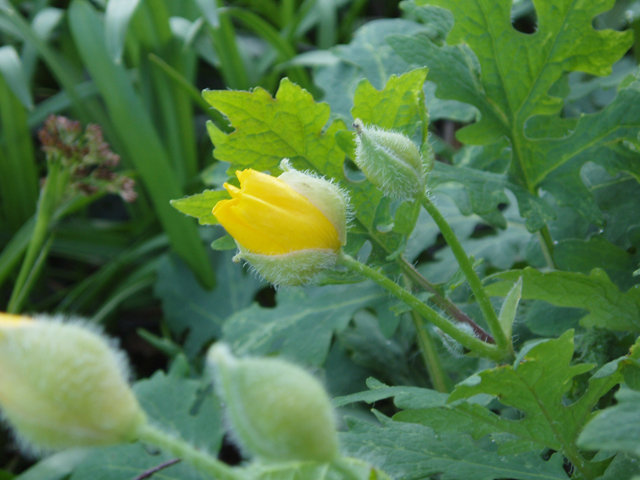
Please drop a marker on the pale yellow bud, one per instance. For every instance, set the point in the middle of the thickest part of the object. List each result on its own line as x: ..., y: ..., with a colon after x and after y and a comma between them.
x: 62, y: 385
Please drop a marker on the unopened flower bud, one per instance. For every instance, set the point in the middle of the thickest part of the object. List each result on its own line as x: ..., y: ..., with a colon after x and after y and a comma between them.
x: 390, y: 161
x: 62, y: 385
x: 288, y: 228
x: 278, y: 411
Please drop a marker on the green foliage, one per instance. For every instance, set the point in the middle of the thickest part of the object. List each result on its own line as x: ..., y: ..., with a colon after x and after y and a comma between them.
x: 200, y: 205
x: 509, y: 77
x: 536, y: 171
x: 292, y: 125
x: 616, y: 428
x: 409, y: 451
x: 608, y: 306
x: 303, y: 322
x: 200, y: 313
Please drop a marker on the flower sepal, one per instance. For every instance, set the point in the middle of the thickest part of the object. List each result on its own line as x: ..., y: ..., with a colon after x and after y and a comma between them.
x: 300, y: 267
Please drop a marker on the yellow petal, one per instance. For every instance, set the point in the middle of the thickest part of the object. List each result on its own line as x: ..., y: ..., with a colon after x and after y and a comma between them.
x: 10, y: 320
x: 267, y: 216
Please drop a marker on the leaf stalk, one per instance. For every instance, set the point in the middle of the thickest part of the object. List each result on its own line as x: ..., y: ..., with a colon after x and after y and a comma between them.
x: 467, y: 268
x: 466, y: 339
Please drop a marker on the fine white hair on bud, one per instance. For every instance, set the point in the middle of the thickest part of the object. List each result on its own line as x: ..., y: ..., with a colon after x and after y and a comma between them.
x: 301, y: 267
x: 278, y: 411
x: 390, y: 161
x: 62, y: 385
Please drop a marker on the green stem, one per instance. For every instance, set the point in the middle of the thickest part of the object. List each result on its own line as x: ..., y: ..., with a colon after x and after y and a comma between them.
x: 181, y: 449
x: 46, y: 206
x: 34, y: 273
x: 586, y: 470
x: 467, y: 340
x: 439, y: 378
x: 467, y: 268
x: 429, y: 351
x: 444, y: 303
x: 546, y: 244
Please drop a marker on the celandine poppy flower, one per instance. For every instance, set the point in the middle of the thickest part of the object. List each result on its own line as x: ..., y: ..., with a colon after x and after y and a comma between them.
x: 288, y: 228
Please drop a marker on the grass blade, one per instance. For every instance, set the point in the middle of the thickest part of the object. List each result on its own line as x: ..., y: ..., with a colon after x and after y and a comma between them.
x: 116, y: 20
x: 137, y: 133
x: 18, y: 173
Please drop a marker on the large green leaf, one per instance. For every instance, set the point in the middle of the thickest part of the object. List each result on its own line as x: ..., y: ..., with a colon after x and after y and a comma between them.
x: 303, y: 322
x: 412, y: 452
x: 615, y: 428
x: 608, y: 307
x: 183, y: 406
x: 583, y: 256
x: 293, y: 126
x: 189, y: 308
x: 535, y: 386
x: 56, y: 467
x: 126, y: 462
x: 508, y: 76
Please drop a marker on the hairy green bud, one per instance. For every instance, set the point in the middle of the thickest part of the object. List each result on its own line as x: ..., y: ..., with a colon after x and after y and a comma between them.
x: 390, y: 161
x: 278, y: 411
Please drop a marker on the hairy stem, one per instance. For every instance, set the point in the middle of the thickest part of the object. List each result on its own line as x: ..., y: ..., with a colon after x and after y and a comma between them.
x: 444, y: 303
x: 439, y: 378
x: 467, y: 268
x: 429, y: 351
x: 181, y: 449
x: 467, y: 340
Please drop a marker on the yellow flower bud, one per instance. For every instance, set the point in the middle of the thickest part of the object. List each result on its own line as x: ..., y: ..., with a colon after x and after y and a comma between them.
x: 288, y: 228
x: 278, y: 411
x: 62, y: 385
x: 390, y: 161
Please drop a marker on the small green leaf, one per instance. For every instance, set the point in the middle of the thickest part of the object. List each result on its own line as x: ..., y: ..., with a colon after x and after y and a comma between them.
x: 125, y: 462
x: 224, y: 243
x: 394, y: 107
x: 404, y: 397
x: 201, y: 205
x: 56, y: 467
x: 509, y: 307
